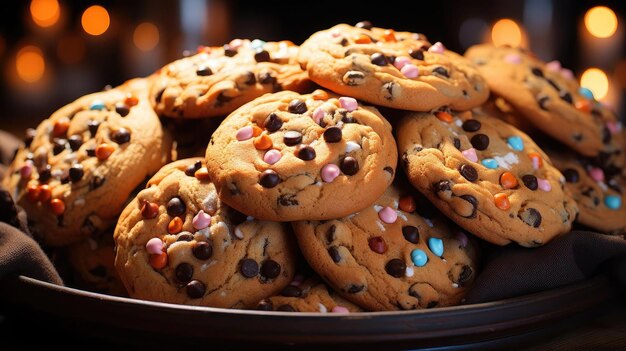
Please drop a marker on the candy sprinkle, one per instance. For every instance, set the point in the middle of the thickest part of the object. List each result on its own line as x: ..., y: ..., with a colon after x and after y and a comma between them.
x: 330, y: 172
x: 613, y: 202
x: 515, y: 142
x: 388, y: 215
x: 348, y: 103
x: 419, y: 257
x: 436, y: 246
x: 502, y: 201
x: 154, y: 246
x: 470, y: 154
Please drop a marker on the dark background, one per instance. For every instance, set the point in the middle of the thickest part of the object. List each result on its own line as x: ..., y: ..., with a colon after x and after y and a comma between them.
x: 112, y: 58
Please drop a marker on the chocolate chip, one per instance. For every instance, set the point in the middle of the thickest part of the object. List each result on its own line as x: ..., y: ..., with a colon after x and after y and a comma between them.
x: 204, y: 71
x: 45, y: 173
x: 292, y: 138
x: 334, y: 254
x: 468, y: 172
x: 297, y: 106
x: 291, y: 291
x: 272, y: 123
x: 417, y: 54
x: 270, y: 269
x: 59, y: 145
x: 391, y: 59
x: 442, y: 186
x: 159, y: 95
x: 554, y: 85
x: 531, y: 217
x: 565, y: 96
x: 333, y: 135
x: 530, y: 181
x: 457, y: 143
x: 184, y: 272
x: 249, y: 268
x: 377, y: 244
x: 364, y: 25
x: 91, y: 152
x: 222, y: 98
x: 471, y: 125
x: 75, y: 142
x: 269, y: 179
x: 176, y: 207
x: 349, y: 165
x: 267, y: 78
x: 191, y: 169
x: 389, y: 170
x: 473, y: 201
x: 348, y: 119
x: 441, y: 71
x: 76, y: 172
x: 480, y: 141
x: 229, y: 50
x: 262, y: 56
x: 353, y: 78
x: 122, y: 109
x: 537, y: 71
x: 305, y: 152
x: 330, y: 234
x: 195, y: 289
x: 185, y: 236
x: 606, y: 135
x: 121, y: 136
x: 286, y: 308
x: 388, y: 89
x: 396, y: 268
x: 345, y: 42
x: 542, y: 102
x: 265, y: 306
x: 465, y: 276
x: 29, y: 136
x: 571, y: 175
x: 288, y: 200
x: 93, y: 127
x: 96, y: 182
x: 378, y: 59
x: 250, y: 78
x: 411, y: 234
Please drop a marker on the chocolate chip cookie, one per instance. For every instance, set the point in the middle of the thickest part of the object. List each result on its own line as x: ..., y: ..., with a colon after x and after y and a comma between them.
x: 217, y: 80
x: 177, y: 242
x: 394, y: 69
x: 287, y: 156
x: 487, y: 176
x: 78, y: 168
x: 389, y: 257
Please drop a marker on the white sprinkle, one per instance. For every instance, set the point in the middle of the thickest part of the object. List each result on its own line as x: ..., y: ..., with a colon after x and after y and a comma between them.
x: 455, y: 285
x: 223, y: 294
x: 380, y: 225
x: 79, y: 202
x: 93, y: 245
x: 323, y: 308
x: 352, y: 215
x: 210, y: 202
x: 249, y: 218
x: 351, y: 146
x: 402, y: 215
x: 603, y: 186
x: 317, y: 183
x: 409, y: 271
x: 429, y: 222
x: 70, y: 158
x: 377, y: 208
x: 205, y: 266
x: 507, y: 160
x: 458, y: 122
x: 205, y: 231
x: 238, y: 233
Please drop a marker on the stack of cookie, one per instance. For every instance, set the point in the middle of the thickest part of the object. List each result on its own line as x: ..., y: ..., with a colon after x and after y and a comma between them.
x: 295, y: 202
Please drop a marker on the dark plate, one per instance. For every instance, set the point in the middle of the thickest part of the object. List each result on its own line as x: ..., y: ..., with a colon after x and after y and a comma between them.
x: 480, y: 325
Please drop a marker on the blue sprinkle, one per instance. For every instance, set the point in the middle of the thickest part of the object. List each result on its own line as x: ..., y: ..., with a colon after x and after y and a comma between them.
x: 257, y: 44
x: 436, y: 246
x: 613, y: 202
x: 588, y: 94
x: 419, y: 257
x: 515, y: 143
x: 490, y: 163
x: 97, y: 105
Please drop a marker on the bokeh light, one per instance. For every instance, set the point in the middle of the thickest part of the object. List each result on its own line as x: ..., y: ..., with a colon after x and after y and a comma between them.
x: 30, y: 64
x: 595, y: 80
x: 506, y: 32
x: 71, y: 49
x: 601, y: 22
x: 45, y: 13
x: 146, y: 36
x: 620, y: 73
x: 95, y: 20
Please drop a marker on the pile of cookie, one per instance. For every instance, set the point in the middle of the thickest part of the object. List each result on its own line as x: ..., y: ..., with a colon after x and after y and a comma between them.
x: 295, y: 201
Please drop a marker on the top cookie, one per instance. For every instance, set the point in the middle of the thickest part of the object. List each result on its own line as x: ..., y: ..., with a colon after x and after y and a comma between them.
x: 394, y: 69
x: 287, y: 157
x: 487, y: 176
x: 217, y: 80
x: 79, y: 166
x: 550, y: 98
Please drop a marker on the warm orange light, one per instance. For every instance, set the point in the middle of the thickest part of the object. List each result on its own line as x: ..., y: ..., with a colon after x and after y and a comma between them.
x: 146, y: 36
x: 45, y: 13
x: 95, y: 20
x: 620, y: 73
x: 30, y: 64
x: 601, y: 22
x: 506, y: 32
x: 595, y: 80
x: 71, y: 49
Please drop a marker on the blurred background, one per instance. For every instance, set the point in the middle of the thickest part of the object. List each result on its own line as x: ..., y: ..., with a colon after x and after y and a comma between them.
x: 54, y: 51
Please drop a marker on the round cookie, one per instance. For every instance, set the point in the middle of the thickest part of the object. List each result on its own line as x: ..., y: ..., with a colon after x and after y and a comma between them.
x: 394, y: 69
x: 389, y: 257
x: 217, y: 80
x: 177, y: 242
x: 549, y: 97
x: 287, y: 157
x: 78, y: 168
x: 487, y: 176
x: 308, y: 295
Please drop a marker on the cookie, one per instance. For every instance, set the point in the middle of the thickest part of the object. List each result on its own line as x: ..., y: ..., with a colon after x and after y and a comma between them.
x: 217, y: 80
x: 549, y: 97
x: 487, y: 176
x: 287, y: 156
x: 78, y: 168
x: 308, y: 295
x: 389, y: 257
x: 394, y: 69
x: 177, y: 242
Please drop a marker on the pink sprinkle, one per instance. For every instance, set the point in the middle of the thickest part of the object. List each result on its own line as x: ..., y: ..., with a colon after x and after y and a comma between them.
x: 614, y: 127
x: 201, y: 220
x: 462, y: 237
x: 297, y: 280
x: 340, y: 309
x: 348, y: 103
x: 544, y: 184
x: 513, y: 58
x: 470, y: 154
x: 410, y: 71
x: 272, y: 156
x: 154, y: 246
x: 401, y: 61
x: 245, y: 133
x: 597, y: 174
x: 26, y: 170
x: 567, y: 73
x: 318, y: 114
x: 335, y: 33
x: 330, y: 172
x: 553, y: 66
x: 235, y: 43
x: 437, y: 48
x: 388, y: 215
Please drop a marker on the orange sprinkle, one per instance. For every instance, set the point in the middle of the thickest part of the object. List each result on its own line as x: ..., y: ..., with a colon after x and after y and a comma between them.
x: 362, y: 39
x: 32, y: 193
x: 502, y: 201
x: 57, y: 206
x: 286, y: 43
x: 536, y: 159
x: 131, y: 100
x: 158, y: 261
x: 508, y: 180
x: 61, y: 126
x: 390, y: 35
x: 256, y: 131
x: 103, y: 151
x: 175, y: 226
x: 202, y: 174
x: 407, y: 204
x: 263, y: 142
x: 583, y: 106
x: 319, y: 95
x: 45, y: 193
x: 205, y: 49
x: 444, y: 116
